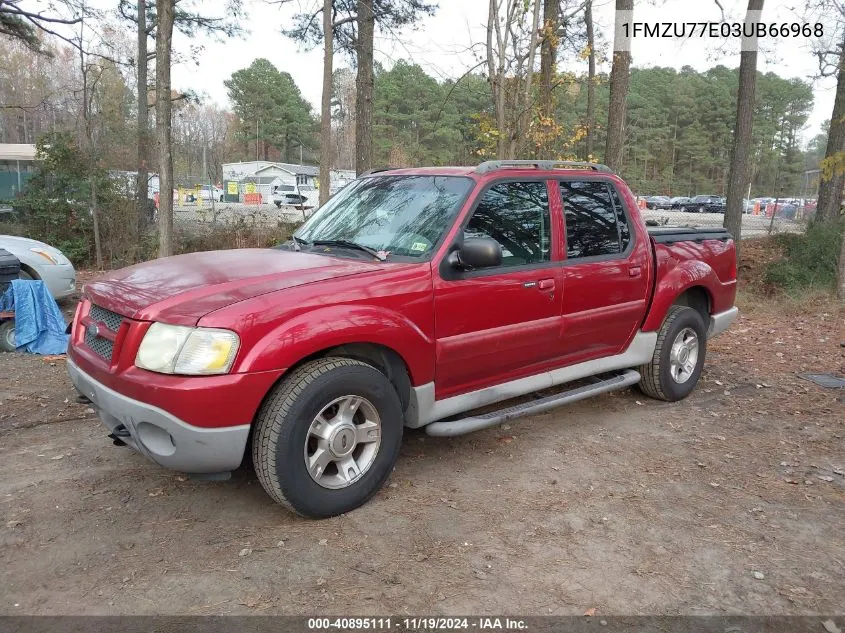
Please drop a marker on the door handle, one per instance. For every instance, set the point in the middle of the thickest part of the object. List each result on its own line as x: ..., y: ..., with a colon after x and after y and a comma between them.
x: 635, y: 271
x: 546, y: 284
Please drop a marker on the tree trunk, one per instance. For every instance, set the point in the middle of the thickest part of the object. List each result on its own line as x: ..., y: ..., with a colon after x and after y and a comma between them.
x: 326, y: 105
x: 164, y: 39
x: 619, y: 79
x: 739, y: 168
x: 141, y: 183
x: 840, y: 292
x: 364, y: 87
x: 527, y: 106
x: 591, y: 81
x: 830, y: 190
x: 496, y: 77
x: 548, y: 56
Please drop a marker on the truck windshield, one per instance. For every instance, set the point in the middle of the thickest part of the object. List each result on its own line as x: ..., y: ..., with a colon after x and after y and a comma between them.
x: 402, y: 215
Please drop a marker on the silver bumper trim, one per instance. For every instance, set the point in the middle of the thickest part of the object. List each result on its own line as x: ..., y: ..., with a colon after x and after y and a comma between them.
x: 160, y: 436
x: 722, y: 321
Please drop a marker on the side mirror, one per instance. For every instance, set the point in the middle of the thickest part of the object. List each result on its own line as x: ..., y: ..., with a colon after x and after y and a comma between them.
x: 476, y: 252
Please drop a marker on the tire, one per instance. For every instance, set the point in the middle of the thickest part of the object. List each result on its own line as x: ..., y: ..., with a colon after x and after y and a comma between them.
x: 284, y: 436
x: 7, y: 336
x: 26, y: 275
x: 659, y: 379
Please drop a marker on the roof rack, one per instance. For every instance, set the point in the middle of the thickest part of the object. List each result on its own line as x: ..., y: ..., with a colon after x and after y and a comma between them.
x: 491, y: 165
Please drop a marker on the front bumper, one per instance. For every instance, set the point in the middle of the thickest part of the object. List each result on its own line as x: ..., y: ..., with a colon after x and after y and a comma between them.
x: 160, y: 436
x: 60, y: 279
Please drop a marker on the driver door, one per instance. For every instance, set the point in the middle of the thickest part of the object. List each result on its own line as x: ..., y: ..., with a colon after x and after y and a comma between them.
x: 496, y: 324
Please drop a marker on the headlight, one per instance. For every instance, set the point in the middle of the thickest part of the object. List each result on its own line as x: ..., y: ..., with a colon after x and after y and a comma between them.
x: 176, y: 349
x: 50, y: 258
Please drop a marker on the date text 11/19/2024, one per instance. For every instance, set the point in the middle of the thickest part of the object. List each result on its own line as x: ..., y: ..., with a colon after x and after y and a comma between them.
x: 416, y: 623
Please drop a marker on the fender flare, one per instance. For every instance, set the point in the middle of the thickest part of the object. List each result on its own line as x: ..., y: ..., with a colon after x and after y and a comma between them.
x: 317, y: 330
x: 686, y: 275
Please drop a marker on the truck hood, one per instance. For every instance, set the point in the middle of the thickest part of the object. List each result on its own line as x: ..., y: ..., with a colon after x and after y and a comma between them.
x: 182, y: 289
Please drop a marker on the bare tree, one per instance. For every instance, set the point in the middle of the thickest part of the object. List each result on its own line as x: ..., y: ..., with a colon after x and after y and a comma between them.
x: 326, y: 104
x: 739, y: 175
x: 512, y: 41
x: 26, y: 26
x: 619, y: 79
x: 164, y: 105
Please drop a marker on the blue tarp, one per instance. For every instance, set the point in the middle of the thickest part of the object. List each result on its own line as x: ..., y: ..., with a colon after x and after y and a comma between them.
x: 39, y: 324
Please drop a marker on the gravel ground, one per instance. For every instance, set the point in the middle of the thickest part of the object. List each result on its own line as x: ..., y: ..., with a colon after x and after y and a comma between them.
x: 732, y: 501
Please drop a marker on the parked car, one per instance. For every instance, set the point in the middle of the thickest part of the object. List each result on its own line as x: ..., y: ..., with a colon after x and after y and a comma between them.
x: 704, y: 204
x: 658, y: 202
x: 678, y: 201
x: 41, y: 261
x: 410, y: 299
x: 209, y: 193
x: 287, y: 195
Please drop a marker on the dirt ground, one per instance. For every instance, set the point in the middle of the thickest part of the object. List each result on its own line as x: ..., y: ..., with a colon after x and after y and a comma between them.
x: 732, y: 501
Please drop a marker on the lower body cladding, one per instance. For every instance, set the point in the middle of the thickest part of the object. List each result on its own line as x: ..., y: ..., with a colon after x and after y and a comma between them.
x: 158, y: 435
x: 174, y: 444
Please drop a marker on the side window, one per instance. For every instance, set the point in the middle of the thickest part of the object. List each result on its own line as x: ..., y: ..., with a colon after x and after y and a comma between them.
x: 594, y: 220
x: 516, y: 215
x: 621, y: 220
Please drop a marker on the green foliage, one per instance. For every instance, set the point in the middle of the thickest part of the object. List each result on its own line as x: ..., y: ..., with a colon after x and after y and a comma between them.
x: 679, y: 129
x: 389, y: 15
x: 55, y: 206
x: 810, y: 259
x: 271, y: 109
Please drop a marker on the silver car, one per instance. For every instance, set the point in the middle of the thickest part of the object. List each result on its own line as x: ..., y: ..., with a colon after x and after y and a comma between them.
x: 41, y: 261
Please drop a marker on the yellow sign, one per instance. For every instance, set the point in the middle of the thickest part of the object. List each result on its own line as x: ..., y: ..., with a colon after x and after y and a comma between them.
x: 232, y: 188
x: 250, y: 187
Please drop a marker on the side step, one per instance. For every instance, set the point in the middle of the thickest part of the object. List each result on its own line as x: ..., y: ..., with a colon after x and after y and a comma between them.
x: 486, y: 420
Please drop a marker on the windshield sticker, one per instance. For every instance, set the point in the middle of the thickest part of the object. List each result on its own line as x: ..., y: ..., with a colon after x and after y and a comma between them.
x: 418, y: 246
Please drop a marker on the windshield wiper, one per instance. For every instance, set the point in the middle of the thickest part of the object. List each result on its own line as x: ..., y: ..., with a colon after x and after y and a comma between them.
x: 298, y: 240
x: 350, y: 244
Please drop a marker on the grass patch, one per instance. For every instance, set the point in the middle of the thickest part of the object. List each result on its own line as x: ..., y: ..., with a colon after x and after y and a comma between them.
x: 809, y: 260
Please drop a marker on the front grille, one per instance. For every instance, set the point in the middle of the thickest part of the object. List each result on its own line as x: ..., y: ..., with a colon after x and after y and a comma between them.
x: 101, y: 346
x: 111, y: 320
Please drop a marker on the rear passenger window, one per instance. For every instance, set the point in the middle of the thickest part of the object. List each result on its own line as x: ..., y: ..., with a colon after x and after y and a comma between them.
x: 595, y: 219
x: 516, y: 215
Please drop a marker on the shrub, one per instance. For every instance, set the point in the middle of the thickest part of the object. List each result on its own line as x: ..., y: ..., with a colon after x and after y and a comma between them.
x: 809, y: 260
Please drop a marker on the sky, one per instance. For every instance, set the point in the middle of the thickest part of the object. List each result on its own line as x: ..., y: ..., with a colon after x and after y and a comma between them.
x: 448, y: 43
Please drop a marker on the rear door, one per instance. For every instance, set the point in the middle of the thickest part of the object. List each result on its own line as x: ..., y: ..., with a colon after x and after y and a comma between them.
x: 495, y: 324
x: 606, y: 271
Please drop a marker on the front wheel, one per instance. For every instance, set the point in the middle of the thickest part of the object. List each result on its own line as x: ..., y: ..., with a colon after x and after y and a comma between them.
x: 328, y: 437
x: 678, y: 357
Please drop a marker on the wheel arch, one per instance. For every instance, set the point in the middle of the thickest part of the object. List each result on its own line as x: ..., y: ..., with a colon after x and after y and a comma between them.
x: 29, y: 270
x: 699, y: 299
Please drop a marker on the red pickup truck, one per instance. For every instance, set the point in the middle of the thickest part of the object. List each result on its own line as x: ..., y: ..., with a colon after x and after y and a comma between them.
x: 413, y: 298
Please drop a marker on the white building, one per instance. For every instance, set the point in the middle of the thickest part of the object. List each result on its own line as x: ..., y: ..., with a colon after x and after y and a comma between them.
x: 266, y: 174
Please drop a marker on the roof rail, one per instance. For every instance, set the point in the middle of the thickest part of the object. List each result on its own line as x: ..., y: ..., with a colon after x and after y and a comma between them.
x: 492, y: 165
x: 375, y: 170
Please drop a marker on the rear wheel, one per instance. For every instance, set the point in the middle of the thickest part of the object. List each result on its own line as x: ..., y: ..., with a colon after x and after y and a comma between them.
x: 678, y: 357
x: 328, y: 437
x: 7, y: 336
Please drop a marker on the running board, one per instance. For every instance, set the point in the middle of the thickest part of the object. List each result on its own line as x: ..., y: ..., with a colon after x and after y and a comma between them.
x: 486, y: 420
